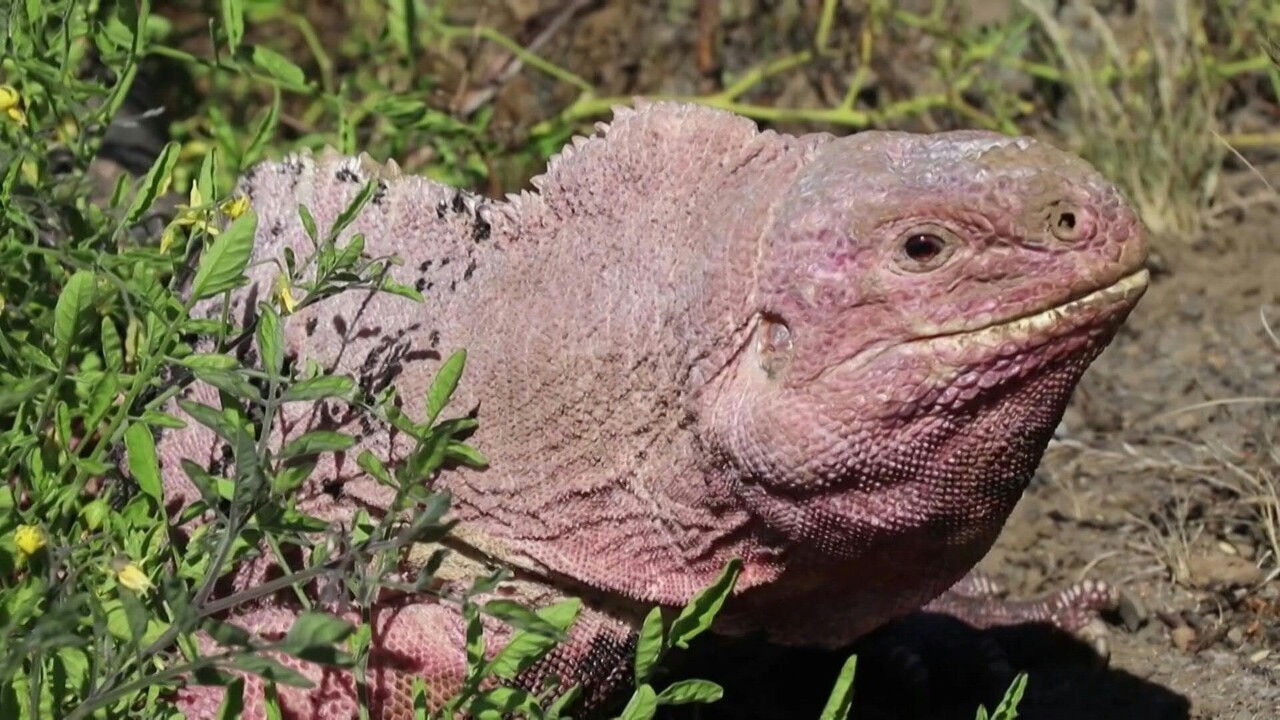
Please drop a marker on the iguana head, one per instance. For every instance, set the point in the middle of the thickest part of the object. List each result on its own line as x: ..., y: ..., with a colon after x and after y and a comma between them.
x: 925, y: 306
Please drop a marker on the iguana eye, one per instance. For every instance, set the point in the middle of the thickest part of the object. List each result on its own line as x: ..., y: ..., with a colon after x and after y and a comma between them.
x: 924, y: 249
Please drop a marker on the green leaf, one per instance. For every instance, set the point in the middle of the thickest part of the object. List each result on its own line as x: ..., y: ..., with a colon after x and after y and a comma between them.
x: 270, y: 340
x: 649, y: 646
x: 279, y: 67
x: 352, y: 211
x: 140, y: 445
x: 502, y: 702
x: 231, y: 383
x: 315, y: 636
x: 155, y: 418
x: 291, y: 477
x: 269, y: 669
x: 265, y: 131
x: 233, y: 22
x: 205, y: 180
x: 155, y: 183
x: 841, y: 698
x: 520, y: 653
x: 372, y: 465
x: 696, y: 617
x: 222, y: 265
x: 561, y: 615
x: 642, y: 706
x: 210, y: 361
x: 466, y: 455
x: 316, y: 442
x: 308, y: 223
x: 271, y: 702
x: 233, y: 701
x: 318, y: 388
x: 1008, y: 707
x: 76, y: 298
x: 684, y: 692
x: 211, y: 676
x: 14, y: 394
x: 421, y: 706
x: 475, y: 638
x: 226, y: 634
x: 210, y: 418
x: 112, y: 347
x: 556, y: 709
x: 444, y: 384
x: 522, y: 618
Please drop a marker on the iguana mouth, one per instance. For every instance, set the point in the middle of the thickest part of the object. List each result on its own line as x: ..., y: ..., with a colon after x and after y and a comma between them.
x: 1051, y: 322
x: 1006, y: 338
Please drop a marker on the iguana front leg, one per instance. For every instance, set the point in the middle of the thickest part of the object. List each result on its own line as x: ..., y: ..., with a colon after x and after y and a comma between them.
x: 421, y: 638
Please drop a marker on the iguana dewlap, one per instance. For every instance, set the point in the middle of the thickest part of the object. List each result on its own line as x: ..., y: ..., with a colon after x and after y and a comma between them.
x: 839, y: 359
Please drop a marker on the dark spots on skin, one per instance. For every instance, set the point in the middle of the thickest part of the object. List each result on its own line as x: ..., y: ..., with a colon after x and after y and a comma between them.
x: 366, y: 331
x: 425, y: 265
x: 481, y: 230
x: 434, y: 338
x: 340, y: 325
x: 380, y: 194
x: 444, y: 262
x: 224, y: 460
x: 453, y: 286
x: 420, y: 284
x: 345, y: 175
x: 471, y: 268
x: 277, y: 228
x: 311, y: 326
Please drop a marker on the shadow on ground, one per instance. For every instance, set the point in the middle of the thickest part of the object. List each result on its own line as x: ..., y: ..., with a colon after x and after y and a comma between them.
x: 926, y: 667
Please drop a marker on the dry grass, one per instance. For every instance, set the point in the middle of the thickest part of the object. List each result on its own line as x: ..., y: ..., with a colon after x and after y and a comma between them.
x: 1143, y: 105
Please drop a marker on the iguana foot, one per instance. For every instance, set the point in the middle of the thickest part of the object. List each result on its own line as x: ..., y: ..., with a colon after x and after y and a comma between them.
x: 979, y: 601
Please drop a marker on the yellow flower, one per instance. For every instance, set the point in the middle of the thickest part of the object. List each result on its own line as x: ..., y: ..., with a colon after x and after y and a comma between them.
x: 236, y: 206
x: 166, y: 239
x: 194, y: 214
x: 287, y: 304
x: 9, y: 97
x: 29, y: 539
x: 130, y: 575
x: 11, y: 104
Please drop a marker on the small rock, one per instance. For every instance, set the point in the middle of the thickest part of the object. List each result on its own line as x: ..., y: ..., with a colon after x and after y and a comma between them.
x: 1213, y: 570
x: 1236, y: 636
x: 1259, y: 656
x: 1133, y: 613
x: 1182, y: 637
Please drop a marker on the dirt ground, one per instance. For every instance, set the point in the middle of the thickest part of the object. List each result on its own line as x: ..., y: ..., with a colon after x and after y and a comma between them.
x: 1163, y: 480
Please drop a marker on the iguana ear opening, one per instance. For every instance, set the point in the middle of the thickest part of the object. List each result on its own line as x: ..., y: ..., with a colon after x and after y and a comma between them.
x: 773, y: 344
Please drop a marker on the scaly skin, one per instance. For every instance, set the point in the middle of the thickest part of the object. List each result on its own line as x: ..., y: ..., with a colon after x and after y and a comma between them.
x: 837, y: 359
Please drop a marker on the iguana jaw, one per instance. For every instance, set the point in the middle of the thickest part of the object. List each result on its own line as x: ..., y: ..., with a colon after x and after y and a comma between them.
x: 1053, y: 321
x: 1011, y: 336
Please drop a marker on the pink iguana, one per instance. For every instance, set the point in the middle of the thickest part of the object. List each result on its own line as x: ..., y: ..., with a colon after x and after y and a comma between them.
x: 838, y: 359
